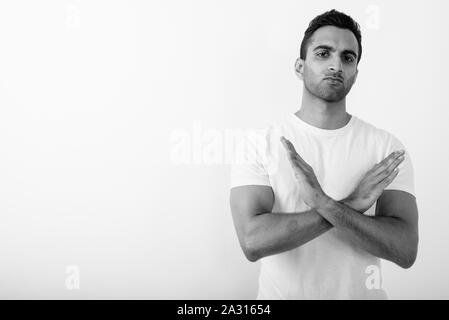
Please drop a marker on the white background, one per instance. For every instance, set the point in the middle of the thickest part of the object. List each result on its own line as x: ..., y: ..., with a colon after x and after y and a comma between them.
x: 93, y: 92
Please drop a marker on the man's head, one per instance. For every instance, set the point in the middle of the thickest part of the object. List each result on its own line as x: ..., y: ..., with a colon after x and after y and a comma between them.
x: 330, y: 52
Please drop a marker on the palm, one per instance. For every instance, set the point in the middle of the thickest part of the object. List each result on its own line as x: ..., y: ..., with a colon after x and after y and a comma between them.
x: 374, y: 182
x: 309, y: 187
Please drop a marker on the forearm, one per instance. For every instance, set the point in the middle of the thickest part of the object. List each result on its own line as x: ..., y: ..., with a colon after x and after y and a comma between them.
x: 383, y: 237
x: 272, y: 233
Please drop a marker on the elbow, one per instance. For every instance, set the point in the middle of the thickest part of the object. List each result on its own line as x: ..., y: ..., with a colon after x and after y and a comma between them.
x: 250, y: 251
x: 251, y: 256
x: 410, y: 257
x: 406, y: 263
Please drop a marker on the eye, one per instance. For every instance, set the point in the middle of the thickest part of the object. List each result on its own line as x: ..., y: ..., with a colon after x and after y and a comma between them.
x: 349, y: 59
x: 322, y: 53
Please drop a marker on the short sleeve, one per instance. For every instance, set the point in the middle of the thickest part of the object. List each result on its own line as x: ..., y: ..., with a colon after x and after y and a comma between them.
x: 404, y: 181
x: 248, y: 166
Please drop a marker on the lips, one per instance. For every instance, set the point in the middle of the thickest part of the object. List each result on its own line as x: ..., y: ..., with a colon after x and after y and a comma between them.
x: 334, y: 79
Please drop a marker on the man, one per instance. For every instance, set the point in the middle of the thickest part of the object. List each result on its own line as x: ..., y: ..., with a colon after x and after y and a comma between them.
x: 323, y: 195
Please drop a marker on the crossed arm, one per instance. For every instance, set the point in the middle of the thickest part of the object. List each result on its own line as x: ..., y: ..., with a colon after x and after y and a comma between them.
x: 391, y: 234
x: 262, y: 232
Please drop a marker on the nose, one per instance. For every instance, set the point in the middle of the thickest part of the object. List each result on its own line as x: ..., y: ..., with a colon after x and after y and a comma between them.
x: 335, y: 66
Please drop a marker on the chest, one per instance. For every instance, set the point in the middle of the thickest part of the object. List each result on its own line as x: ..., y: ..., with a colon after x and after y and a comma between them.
x: 339, y: 165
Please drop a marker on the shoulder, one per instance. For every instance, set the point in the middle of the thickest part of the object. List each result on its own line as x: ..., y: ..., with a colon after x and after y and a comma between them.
x: 267, y: 135
x: 381, y: 136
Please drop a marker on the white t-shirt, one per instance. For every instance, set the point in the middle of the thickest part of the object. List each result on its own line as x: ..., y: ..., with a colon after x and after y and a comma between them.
x: 331, y: 266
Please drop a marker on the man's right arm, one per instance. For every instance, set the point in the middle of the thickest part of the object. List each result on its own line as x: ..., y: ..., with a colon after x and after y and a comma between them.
x: 262, y: 232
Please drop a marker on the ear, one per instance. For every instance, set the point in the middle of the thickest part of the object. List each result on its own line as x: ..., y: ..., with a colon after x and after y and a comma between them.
x: 356, y: 73
x: 299, y: 68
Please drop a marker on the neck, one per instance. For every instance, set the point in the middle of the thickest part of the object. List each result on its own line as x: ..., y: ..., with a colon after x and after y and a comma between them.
x: 323, y: 114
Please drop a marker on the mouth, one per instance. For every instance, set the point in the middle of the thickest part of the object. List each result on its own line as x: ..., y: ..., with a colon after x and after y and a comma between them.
x: 333, y: 79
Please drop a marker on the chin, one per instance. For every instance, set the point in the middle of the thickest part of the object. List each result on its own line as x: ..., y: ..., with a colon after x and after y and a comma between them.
x: 333, y: 99
x: 332, y: 96
x: 328, y: 94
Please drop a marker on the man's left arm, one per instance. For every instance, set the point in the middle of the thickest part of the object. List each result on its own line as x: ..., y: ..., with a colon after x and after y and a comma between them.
x: 391, y: 234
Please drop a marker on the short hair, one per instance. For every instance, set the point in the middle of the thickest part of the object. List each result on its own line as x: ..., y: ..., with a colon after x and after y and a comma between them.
x: 331, y: 18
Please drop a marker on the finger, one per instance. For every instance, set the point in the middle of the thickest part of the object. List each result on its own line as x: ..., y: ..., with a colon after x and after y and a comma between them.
x: 393, y: 165
x: 385, y: 163
x: 290, y: 147
x: 376, y: 168
x: 385, y: 182
x: 390, y: 158
x: 389, y: 170
x: 296, y: 165
x: 291, y: 152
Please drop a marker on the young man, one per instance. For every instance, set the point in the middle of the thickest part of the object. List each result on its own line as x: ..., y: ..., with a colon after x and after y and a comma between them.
x: 323, y: 194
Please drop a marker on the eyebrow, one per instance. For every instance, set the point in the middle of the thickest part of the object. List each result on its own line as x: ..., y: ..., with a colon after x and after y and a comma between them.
x: 347, y: 51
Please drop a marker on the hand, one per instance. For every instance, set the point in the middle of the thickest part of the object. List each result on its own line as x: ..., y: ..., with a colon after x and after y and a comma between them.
x: 309, y: 188
x: 374, y: 182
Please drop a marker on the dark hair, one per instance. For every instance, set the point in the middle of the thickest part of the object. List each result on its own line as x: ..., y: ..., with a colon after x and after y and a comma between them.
x: 332, y: 18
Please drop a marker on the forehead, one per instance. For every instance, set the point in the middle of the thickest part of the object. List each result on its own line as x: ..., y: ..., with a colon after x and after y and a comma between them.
x: 341, y: 39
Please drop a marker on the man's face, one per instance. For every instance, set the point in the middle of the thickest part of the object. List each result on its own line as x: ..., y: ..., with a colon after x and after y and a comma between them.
x: 330, y: 67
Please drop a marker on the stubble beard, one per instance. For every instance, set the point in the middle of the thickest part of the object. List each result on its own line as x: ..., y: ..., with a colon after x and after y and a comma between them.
x: 326, y: 92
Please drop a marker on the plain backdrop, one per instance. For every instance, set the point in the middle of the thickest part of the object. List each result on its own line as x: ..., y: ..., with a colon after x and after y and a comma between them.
x: 115, y: 122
